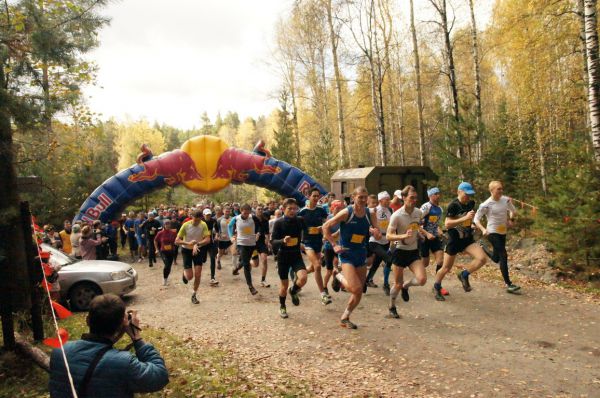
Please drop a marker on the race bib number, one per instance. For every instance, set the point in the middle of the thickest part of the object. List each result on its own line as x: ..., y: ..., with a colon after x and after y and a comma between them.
x: 313, y: 231
x: 255, y: 253
x: 292, y: 242
x: 501, y: 229
x: 433, y: 218
x: 466, y: 224
x: 357, y: 238
x: 247, y: 230
x: 131, y: 229
x: 414, y: 226
x: 152, y: 232
x: 167, y: 247
x: 384, y: 224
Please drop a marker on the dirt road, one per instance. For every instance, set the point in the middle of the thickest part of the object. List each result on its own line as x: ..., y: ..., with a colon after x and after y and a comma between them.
x: 484, y: 343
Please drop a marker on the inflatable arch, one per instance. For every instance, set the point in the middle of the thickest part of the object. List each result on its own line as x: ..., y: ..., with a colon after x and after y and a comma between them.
x: 203, y: 164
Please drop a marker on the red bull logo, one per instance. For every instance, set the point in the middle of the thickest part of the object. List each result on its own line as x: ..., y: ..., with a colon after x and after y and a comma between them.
x: 175, y: 166
x: 93, y: 213
x: 235, y: 164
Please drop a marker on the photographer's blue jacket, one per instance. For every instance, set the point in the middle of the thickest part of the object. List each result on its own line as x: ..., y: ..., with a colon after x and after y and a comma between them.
x: 118, y: 374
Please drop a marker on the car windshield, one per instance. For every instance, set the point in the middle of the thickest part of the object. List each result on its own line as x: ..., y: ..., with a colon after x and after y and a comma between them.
x: 57, y: 256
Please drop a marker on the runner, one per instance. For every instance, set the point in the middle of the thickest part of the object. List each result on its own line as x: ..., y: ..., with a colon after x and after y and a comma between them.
x: 286, y: 238
x: 138, y: 225
x: 330, y: 260
x: 496, y: 210
x: 211, y: 248
x: 356, y: 224
x: 244, y: 229
x: 165, y: 246
x: 330, y: 199
x: 432, y: 242
x: 380, y: 247
x: 262, y: 244
x: 313, y: 217
x: 459, y: 218
x: 403, y: 230
x: 129, y: 227
x: 151, y: 228
x: 396, y: 201
x: 224, y: 240
x: 192, y: 236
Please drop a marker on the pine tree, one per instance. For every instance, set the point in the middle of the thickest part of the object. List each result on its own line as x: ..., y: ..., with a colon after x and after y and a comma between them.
x: 283, y: 147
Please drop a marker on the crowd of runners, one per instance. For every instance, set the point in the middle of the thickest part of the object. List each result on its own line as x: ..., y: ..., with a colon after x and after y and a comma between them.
x: 345, y: 243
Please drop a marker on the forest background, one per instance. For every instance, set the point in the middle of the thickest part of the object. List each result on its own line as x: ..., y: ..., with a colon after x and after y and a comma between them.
x: 363, y: 83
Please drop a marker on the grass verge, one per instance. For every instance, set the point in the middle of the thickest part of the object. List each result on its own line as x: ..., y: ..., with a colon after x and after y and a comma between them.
x: 195, y: 370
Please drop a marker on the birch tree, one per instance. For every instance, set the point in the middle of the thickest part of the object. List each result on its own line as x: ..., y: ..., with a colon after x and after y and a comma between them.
x: 417, y: 66
x: 591, y: 39
x: 477, y: 76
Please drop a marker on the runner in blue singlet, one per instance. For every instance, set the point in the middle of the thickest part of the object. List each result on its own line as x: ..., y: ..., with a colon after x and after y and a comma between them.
x: 356, y: 224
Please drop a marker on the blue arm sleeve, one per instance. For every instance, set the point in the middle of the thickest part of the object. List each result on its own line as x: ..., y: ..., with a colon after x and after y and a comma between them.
x: 231, y: 227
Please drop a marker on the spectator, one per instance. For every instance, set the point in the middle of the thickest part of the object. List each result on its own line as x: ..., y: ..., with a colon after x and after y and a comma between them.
x: 65, y: 237
x: 51, y: 237
x: 75, y: 235
x: 87, y: 245
x: 114, y: 373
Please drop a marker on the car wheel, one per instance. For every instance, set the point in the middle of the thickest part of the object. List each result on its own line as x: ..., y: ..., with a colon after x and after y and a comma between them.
x: 82, y: 294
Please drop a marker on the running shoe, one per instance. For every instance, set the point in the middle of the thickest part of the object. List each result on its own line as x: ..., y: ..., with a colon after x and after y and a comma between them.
x: 195, y: 299
x: 405, y: 295
x: 465, y: 281
x: 335, y: 284
x: 444, y: 292
x: 325, y: 299
x: 165, y: 282
x: 219, y: 264
x: 264, y: 284
x: 394, y: 313
x: 512, y: 288
x: 294, y: 296
x: 184, y: 280
x: 386, y: 290
x: 214, y: 282
x: 326, y: 291
x: 283, y: 312
x: 253, y: 291
x: 151, y: 264
x: 365, y: 287
x: 236, y: 271
x: 371, y: 284
x: 345, y: 323
x: 438, y: 294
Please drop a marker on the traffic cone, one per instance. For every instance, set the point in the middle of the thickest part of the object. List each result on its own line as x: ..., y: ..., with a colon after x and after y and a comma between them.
x: 54, y: 342
x: 60, y: 311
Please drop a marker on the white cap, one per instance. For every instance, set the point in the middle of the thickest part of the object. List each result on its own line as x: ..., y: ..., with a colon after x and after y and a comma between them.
x: 207, y: 211
x: 383, y: 195
x: 398, y: 193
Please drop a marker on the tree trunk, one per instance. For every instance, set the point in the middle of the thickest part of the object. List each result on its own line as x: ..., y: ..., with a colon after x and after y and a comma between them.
x: 584, y: 61
x: 541, y: 155
x: 591, y: 39
x: 344, y: 154
x: 417, y: 61
x: 442, y: 11
x: 295, y: 118
x: 14, y: 278
x: 478, y: 114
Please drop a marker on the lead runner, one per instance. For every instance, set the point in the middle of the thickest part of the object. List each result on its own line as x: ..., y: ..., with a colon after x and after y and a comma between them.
x: 356, y: 224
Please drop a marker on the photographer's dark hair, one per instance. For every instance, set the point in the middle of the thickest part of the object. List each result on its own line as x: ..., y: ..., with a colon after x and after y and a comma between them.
x: 106, y: 314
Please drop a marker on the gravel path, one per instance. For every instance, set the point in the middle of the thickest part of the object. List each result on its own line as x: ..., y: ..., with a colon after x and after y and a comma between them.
x: 545, y: 342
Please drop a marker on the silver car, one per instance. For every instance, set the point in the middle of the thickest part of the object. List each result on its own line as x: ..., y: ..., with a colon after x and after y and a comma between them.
x: 82, y: 280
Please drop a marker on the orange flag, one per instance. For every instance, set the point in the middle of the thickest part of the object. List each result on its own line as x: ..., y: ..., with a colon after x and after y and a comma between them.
x: 54, y: 342
x: 61, y: 311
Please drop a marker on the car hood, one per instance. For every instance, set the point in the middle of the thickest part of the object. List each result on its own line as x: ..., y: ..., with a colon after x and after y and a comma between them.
x: 96, y: 266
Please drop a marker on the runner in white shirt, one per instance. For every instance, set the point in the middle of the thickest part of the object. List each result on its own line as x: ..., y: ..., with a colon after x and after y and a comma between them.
x: 403, y: 230
x: 380, y: 247
x: 496, y: 210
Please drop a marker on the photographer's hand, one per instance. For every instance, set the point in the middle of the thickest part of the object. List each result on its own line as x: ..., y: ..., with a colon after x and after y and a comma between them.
x: 133, y: 329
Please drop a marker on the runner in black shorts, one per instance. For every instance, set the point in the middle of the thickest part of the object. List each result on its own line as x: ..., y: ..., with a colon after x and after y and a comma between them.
x: 262, y: 248
x: 403, y: 231
x: 459, y: 219
x: 286, y: 238
x: 432, y: 242
x: 330, y: 259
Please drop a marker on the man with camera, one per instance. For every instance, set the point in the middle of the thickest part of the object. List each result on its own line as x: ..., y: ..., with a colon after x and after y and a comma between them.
x: 98, y: 369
